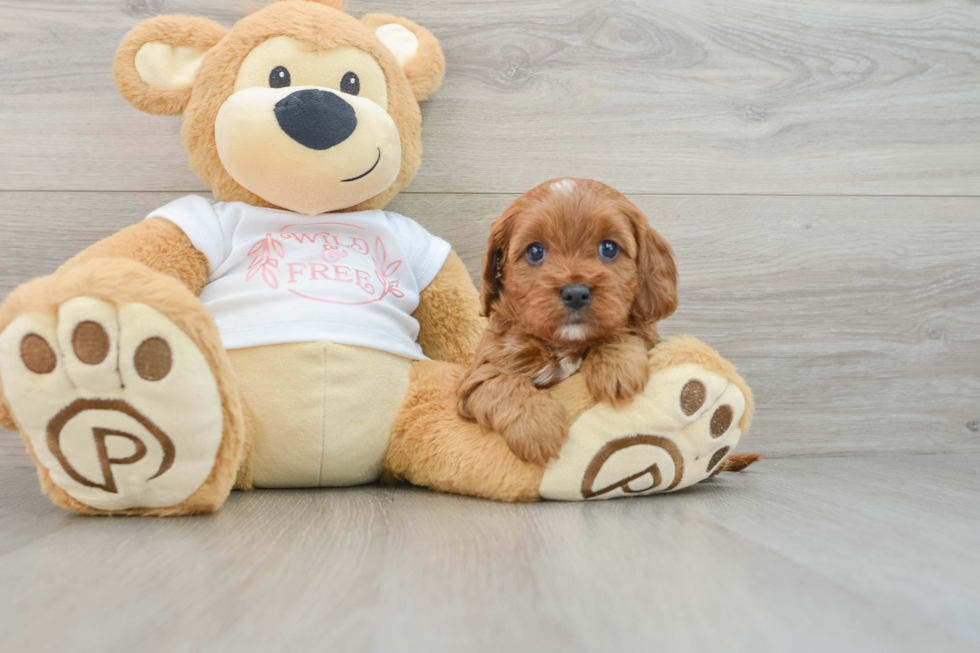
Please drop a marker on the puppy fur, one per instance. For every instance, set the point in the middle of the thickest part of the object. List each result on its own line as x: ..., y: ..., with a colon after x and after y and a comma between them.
x: 534, y: 339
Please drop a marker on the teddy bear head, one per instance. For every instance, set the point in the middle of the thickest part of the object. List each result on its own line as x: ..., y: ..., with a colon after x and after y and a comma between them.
x: 298, y: 106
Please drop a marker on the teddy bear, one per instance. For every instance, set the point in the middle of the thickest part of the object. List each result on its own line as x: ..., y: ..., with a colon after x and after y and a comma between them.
x: 294, y: 333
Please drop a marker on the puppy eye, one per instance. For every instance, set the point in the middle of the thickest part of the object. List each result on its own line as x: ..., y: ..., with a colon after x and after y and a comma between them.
x: 350, y: 84
x: 608, y: 250
x: 279, y: 77
x: 535, y: 253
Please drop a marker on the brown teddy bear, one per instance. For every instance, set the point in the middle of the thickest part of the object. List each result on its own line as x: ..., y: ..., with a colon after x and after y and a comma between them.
x: 294, y: 334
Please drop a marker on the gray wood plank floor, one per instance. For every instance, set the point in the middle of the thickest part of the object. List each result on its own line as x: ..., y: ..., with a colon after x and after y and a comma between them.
x: 877, y: 553
x: 816, y: 166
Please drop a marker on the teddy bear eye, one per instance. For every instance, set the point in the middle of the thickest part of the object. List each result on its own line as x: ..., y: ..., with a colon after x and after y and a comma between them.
x: 608, y: 250
x: 279, y: 77
x: 350, y: 84
x: 535, y: 253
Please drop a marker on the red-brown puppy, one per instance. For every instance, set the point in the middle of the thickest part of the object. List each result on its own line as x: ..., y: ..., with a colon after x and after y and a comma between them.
x: 574, y: 278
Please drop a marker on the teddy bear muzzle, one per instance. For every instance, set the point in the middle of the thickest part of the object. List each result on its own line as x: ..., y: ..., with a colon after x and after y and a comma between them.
x: 308, y: 149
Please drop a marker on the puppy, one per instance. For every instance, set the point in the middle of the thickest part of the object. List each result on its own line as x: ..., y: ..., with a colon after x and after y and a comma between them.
x: 574, y: 278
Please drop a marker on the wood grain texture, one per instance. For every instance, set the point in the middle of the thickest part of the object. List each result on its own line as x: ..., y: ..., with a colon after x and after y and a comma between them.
x: 677, y: 96
x: 855, y: 320
x: 789, y: 556
x: 779, y: 145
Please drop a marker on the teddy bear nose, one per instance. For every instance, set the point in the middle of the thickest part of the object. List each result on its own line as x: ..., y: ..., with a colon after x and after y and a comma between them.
x: 316, y: 119
x: 576, y: 297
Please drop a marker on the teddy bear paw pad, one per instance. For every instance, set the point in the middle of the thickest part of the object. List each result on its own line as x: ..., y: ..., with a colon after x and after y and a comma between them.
x: 676, y: 433
x: 120, y: 406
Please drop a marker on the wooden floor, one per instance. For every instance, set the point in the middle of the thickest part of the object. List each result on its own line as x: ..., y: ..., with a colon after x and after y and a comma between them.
x: 816, y: 166
x: 869, y: 553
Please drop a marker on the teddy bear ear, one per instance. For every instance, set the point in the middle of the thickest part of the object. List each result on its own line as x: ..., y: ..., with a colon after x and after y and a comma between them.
x: 416, y: 50
x: 157, y: 61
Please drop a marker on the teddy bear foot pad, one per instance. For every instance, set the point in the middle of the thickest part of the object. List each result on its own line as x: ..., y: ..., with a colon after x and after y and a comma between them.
x: 119, y: 405
x: 677, y: 432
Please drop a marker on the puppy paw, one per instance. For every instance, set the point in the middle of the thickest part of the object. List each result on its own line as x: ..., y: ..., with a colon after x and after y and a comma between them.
x: 537, y: 435
x: 615, y: 374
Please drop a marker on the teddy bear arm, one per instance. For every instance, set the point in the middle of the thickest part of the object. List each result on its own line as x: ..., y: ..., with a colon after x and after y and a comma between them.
x: 157, y: 243
x: 450, y: 326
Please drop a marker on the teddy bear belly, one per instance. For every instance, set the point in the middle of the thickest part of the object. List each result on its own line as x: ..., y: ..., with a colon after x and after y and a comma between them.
x: 324, y: 411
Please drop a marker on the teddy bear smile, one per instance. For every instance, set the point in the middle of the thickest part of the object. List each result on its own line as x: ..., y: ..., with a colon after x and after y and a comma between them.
x: 370, y: 170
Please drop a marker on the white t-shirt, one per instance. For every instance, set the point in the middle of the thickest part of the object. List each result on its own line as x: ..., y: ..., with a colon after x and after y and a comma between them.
x: 278, y: 276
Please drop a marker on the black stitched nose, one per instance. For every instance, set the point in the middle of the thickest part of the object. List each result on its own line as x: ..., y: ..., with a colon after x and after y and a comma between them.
x: 576, y: 297
x: 317, y: 119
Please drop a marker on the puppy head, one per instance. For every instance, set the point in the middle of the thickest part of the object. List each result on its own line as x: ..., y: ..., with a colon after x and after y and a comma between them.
x: 573, y: 260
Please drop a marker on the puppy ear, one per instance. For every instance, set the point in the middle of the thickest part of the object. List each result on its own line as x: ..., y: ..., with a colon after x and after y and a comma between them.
x: 493, y: 261
x: 416, y: 50
x: 157, y: 61
x: 657, y: 296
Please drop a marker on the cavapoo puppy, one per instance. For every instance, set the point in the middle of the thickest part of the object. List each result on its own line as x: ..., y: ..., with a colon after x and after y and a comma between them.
x: 574, y: 279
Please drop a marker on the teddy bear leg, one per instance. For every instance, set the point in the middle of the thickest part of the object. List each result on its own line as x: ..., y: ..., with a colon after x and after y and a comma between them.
x: 681, y: 429
x: 117, y: 380
x: 432, y: 446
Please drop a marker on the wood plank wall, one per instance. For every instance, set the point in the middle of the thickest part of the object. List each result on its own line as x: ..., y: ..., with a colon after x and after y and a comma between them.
x: 816, y: 166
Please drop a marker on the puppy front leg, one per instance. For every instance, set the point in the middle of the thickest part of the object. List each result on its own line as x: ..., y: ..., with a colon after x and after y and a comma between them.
x: 614, y: 373
x: 528, y: 419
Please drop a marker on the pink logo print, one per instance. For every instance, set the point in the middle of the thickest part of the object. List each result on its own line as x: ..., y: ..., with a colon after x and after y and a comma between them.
x: 384, y: 271
x: 345, y: 275
x: 331, y: 255
x: 263, y: 261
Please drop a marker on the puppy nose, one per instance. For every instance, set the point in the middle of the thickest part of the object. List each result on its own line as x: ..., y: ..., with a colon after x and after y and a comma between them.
x: 576, y: 297
x: 316, y: 119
